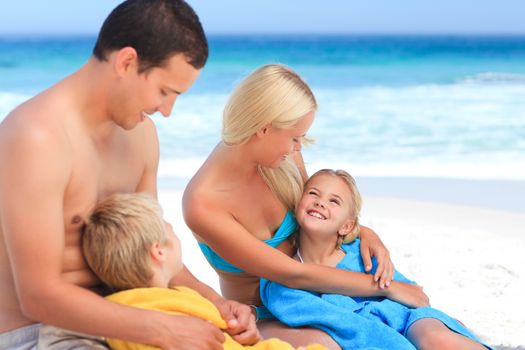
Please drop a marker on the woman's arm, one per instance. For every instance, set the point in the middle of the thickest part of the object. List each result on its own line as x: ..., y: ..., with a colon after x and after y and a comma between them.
x: 234, y: 243
x: 372, y: 246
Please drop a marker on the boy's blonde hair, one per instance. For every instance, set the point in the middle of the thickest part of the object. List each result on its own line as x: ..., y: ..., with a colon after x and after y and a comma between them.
x: 273, y: 94
x: 117, y: 238
x: 355, y: 201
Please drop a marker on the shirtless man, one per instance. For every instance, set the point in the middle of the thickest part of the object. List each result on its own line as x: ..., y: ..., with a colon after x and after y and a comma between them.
x: 86, y: 137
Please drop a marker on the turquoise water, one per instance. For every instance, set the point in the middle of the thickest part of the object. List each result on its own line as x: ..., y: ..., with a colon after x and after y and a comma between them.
x: 389, y: 105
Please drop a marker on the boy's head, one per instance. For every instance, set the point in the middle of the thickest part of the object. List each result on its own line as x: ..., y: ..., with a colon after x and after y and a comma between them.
x: 157, y: 30
x: 126, y: 242
x: 330, y: 203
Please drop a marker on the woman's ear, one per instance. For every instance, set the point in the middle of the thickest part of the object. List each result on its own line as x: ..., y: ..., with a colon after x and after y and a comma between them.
x: 157, y: 253
x: 262, y: 132
x: 125, y: 60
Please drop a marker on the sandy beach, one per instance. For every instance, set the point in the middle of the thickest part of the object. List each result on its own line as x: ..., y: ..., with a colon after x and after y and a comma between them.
x: 467, y: 257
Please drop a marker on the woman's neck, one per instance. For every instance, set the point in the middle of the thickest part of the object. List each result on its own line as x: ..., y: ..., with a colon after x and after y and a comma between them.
x: 237, y: 160
x: 318, y: 250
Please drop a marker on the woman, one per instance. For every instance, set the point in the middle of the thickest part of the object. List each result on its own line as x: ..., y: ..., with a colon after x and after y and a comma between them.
x: 236, y: 202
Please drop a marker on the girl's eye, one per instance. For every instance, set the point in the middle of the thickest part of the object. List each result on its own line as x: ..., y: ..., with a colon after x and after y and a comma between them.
x: 335, y: 201
x: 313, y: 193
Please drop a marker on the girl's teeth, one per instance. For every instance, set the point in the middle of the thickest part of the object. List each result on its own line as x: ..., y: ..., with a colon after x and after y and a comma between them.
x: 316, y: 215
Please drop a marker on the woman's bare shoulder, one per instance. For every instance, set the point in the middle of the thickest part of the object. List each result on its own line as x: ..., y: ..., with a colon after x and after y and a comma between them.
x: 202, y: 189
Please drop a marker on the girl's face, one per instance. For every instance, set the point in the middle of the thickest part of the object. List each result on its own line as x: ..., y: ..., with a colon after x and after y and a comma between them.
x: 326, y: 206
x: 280, y: 143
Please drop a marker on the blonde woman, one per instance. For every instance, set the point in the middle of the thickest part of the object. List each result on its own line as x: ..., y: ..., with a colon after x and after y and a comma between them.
x: 236, y: 202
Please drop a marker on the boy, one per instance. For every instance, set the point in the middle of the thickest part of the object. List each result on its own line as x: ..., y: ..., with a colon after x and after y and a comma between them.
x: 141, y: 256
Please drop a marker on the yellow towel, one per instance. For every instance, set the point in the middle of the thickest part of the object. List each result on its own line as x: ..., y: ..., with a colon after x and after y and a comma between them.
x: 185, y: 301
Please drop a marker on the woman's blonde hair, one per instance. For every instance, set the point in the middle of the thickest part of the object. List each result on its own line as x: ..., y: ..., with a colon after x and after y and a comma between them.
x: 272, y: 94
x: 117, y: 238
x: 355, y: 202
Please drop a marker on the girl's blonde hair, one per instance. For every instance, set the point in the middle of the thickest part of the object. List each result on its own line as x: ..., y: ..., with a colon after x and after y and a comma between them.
x: 355, y: 201
x: 117, y: 238
x: 272, y: 94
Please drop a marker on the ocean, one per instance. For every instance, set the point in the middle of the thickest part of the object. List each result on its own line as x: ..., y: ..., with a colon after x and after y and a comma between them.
x: 389, y: 106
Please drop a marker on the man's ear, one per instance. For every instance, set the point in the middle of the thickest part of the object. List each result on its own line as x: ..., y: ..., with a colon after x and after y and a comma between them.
x: 347, y: 227
x: 262, y: 132
x: 157, y: 253
x: 125, y: 60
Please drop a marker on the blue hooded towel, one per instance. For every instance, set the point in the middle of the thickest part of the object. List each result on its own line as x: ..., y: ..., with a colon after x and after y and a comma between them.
x: 354, y: 323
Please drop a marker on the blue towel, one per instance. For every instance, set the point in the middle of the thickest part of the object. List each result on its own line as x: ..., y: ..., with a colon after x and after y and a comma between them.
x: 354, y: 323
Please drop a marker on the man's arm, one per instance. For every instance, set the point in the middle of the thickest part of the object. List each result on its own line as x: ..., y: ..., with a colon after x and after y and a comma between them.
x: 149, y: 145
x: 32, y: 188
x: 239, y: 318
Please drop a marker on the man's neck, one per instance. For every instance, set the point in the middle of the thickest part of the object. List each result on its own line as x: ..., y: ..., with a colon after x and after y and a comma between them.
x: 90, y: 88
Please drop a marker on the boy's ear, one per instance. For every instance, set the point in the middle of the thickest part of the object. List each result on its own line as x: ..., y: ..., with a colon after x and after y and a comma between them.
x: 126, y: 59
x: 262, y: 132
x: 157, y: 253
x: 347, y: 227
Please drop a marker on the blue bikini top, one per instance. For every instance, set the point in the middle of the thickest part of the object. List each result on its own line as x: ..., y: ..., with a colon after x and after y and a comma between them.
x: 287, y: 227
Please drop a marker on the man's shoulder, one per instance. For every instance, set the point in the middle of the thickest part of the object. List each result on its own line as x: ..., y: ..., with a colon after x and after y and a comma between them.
x: 28, y: 126
x: 42, y: 111
x: 30, y: 131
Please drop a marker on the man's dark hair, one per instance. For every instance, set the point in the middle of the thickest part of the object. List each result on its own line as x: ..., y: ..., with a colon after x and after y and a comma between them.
x: 157, y: 30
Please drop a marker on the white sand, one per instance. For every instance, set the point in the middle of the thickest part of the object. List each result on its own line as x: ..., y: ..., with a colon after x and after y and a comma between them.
x: 469, y: 260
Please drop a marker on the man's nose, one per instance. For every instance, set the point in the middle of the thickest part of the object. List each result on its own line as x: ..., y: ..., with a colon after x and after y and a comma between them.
x: 167, y: 106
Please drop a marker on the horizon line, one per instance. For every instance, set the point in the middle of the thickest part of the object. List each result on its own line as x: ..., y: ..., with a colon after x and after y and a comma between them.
x: 29, y: 35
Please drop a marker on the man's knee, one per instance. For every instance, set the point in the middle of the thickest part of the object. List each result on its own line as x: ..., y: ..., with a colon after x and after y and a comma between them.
x: 53, y: 338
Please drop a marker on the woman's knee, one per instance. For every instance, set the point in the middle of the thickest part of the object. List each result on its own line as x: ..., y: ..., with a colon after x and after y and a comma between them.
x: 296, y: 336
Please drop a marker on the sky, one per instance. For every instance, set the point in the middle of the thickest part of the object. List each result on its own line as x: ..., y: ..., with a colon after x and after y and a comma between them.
x: 70, y: 17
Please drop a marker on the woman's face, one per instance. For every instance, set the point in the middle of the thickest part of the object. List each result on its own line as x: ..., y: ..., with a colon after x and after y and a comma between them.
x: 280, y: 143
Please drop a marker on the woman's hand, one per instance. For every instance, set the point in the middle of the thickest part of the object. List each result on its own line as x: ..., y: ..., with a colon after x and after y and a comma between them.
x: 407, y: 294
x: 372, y: 246
x: 240, y: 321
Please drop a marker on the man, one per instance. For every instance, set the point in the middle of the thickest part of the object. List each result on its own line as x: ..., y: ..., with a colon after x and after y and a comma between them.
x: 86, y: 137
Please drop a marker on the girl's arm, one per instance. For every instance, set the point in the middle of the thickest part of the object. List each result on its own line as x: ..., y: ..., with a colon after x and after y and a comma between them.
x: 233, y: 242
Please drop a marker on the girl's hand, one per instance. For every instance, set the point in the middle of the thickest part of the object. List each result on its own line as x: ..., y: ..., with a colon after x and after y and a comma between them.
x: 372, y: 246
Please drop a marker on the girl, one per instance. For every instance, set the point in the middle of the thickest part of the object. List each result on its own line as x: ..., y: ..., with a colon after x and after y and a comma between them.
x: 328, y: 218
